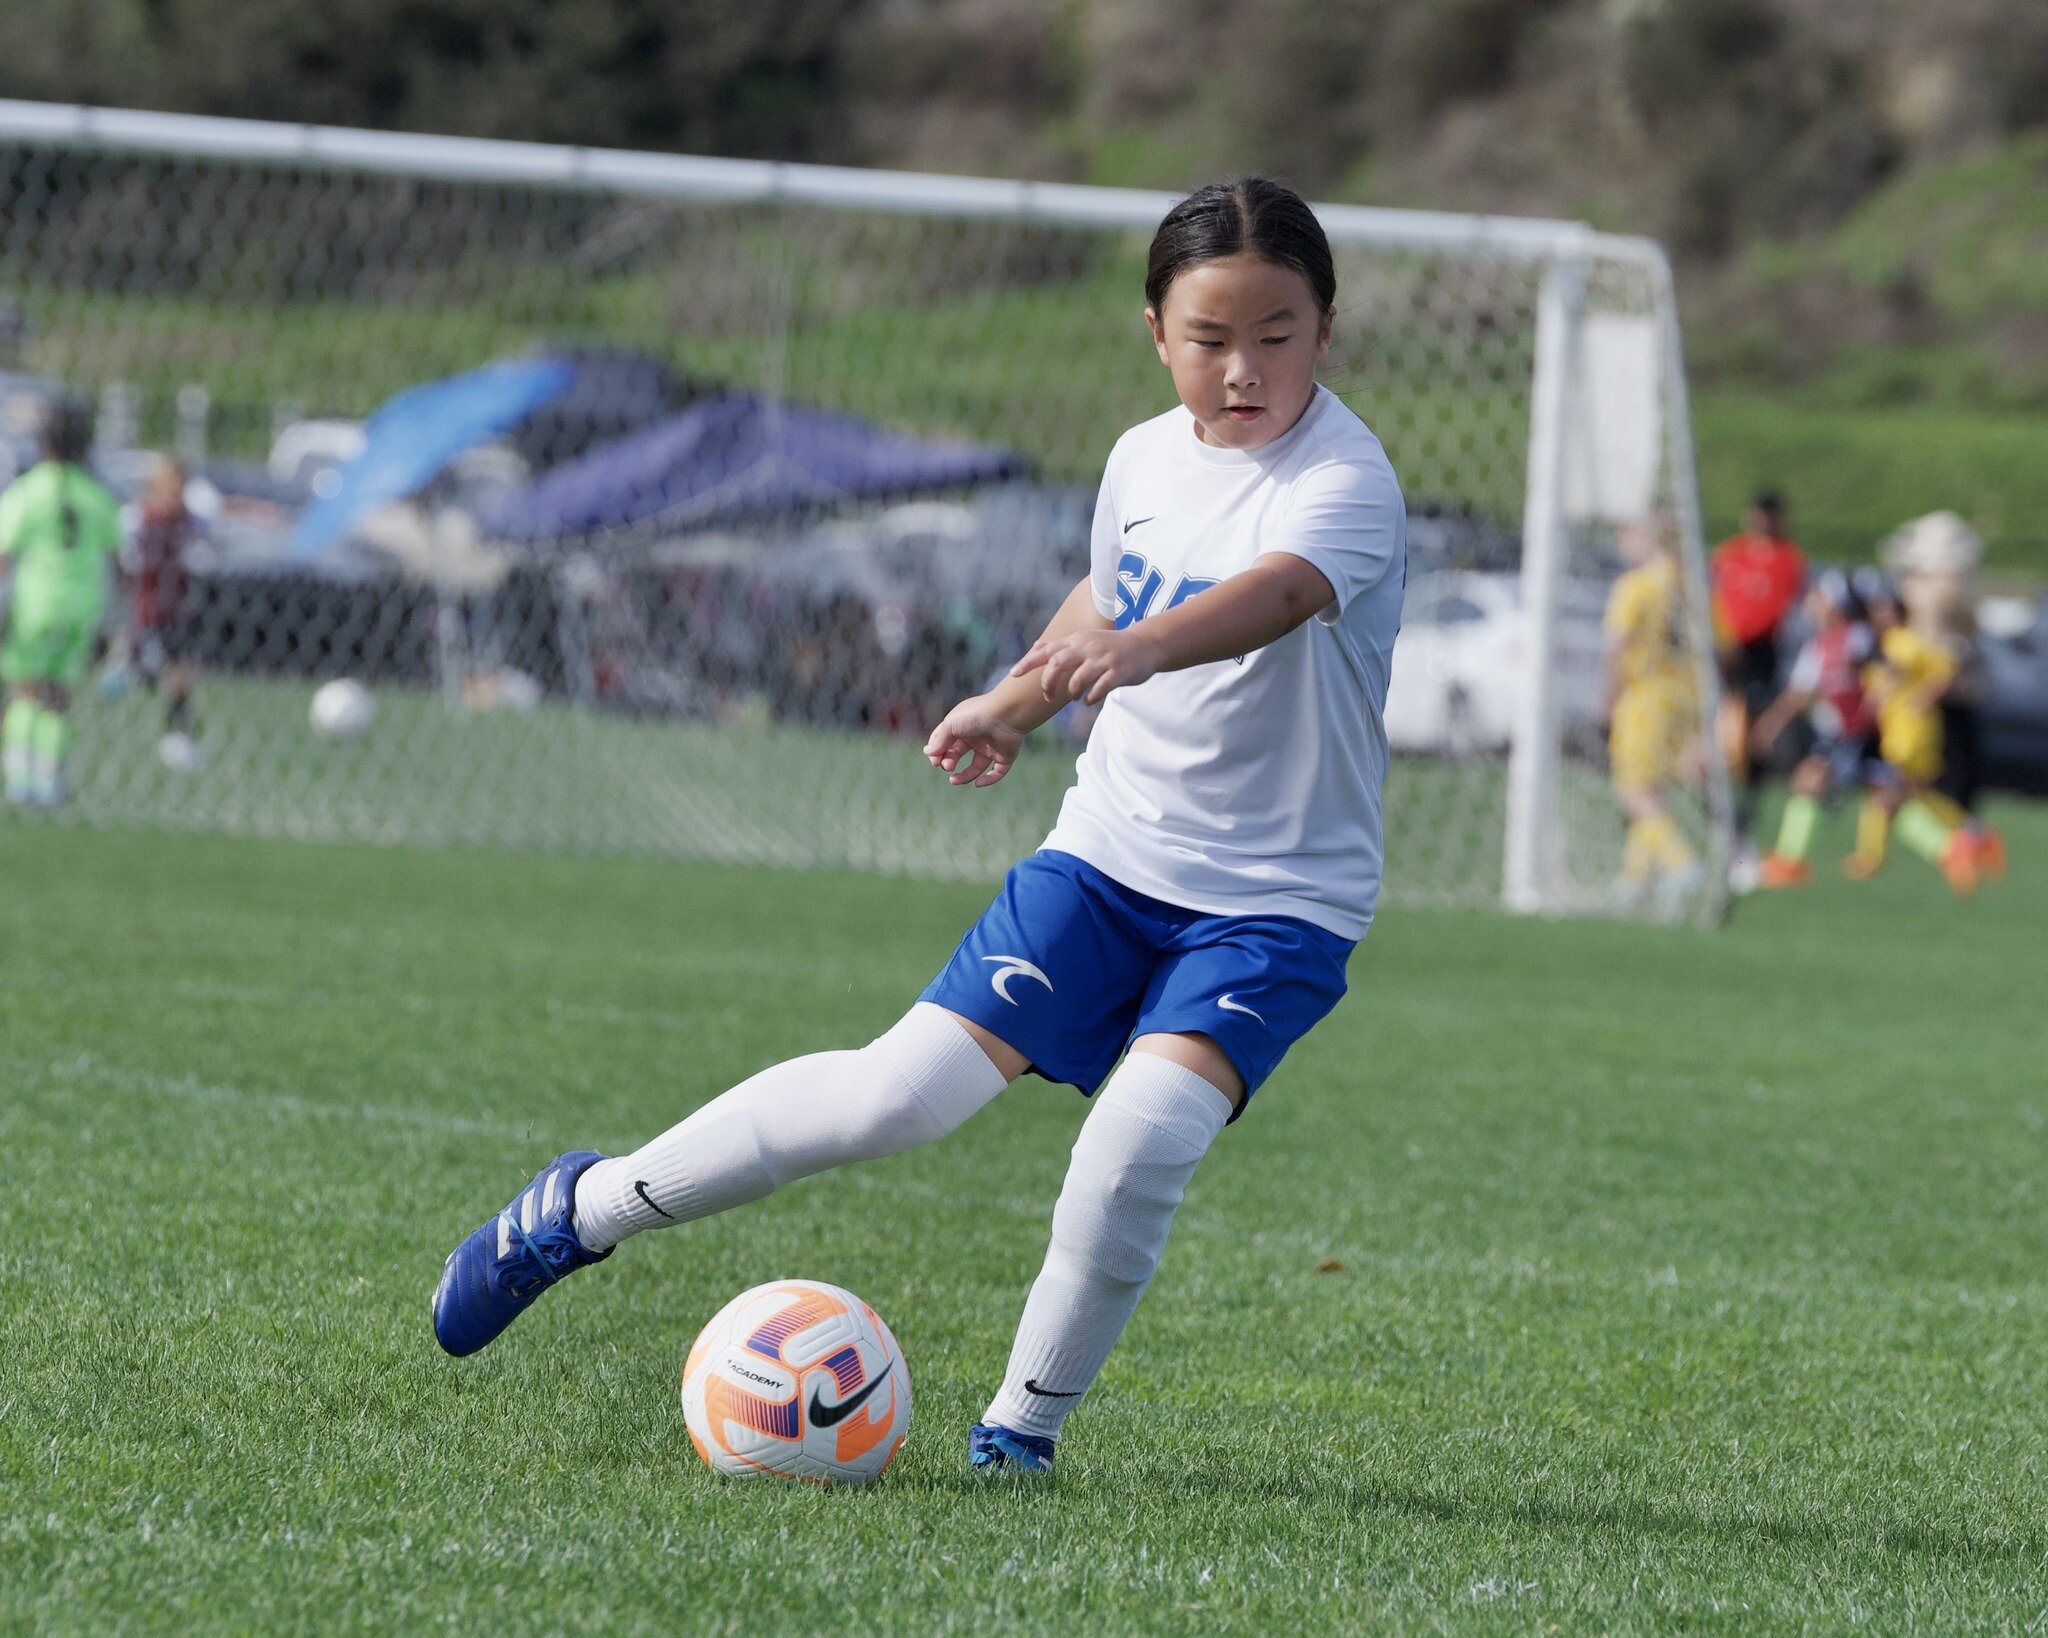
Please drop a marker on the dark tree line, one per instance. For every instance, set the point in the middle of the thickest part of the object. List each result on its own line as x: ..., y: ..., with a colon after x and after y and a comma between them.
x: 1707, y: 122
x: 754, y: 77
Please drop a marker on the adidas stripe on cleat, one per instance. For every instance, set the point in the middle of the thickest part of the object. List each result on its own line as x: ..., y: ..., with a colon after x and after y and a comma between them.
x: 995, y: 1449
x: 494, y: 1276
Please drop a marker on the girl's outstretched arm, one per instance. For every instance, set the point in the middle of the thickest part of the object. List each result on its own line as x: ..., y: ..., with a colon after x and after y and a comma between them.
x: 979, y: 739
x: 1241, y: 615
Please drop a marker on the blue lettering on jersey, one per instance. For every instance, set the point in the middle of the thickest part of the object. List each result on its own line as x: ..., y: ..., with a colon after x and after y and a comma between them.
x: 1138, y: 585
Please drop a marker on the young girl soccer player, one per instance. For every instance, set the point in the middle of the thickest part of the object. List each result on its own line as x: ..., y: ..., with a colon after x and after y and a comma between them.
x: 59, y: 527
x: 1190, y: 915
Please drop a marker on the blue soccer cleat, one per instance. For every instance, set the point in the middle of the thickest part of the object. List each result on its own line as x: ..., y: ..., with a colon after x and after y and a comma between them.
x: 993, y: 1449
x: 494, y: 1276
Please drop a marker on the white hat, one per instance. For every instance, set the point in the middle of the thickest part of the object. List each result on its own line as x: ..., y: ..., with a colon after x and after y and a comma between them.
x: 1939, y: 543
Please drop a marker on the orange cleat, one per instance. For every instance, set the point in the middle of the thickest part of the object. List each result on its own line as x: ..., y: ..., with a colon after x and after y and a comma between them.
x: 1990, y: 852
x: 1959, y: 864
x: 1779, y: 871
x: 1860, y: 867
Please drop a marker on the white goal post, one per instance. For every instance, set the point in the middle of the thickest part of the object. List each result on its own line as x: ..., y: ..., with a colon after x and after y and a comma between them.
x: 658, y: 501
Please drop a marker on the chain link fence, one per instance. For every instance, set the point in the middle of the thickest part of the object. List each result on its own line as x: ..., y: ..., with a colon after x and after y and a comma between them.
x: 663, y: 505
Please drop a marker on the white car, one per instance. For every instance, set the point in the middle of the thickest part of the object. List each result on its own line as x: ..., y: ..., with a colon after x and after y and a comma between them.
x: 1462, y: 656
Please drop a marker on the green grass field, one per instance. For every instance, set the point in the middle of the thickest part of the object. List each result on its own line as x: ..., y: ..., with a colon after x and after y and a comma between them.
x: 1687, y: 1280
x: 736, y: 791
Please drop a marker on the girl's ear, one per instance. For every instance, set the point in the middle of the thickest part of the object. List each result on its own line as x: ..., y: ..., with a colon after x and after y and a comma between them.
x: 1323, y: 327
x: 1157, y: 326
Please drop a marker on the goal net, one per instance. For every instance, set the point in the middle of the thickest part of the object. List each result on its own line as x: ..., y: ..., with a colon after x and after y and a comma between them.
x: 662, y: 504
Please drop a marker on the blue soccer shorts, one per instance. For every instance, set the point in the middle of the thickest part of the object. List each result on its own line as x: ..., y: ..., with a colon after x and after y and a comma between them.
x: 1068, y: 967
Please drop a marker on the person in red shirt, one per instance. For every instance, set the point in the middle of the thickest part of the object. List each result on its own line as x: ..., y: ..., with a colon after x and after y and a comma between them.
x: 1757, y: 576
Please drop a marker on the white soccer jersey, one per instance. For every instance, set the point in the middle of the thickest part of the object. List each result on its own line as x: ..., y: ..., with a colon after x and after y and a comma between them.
x: 1250, y: 786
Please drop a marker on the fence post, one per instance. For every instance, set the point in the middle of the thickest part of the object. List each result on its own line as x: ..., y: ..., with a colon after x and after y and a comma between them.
x: 1534, y: 749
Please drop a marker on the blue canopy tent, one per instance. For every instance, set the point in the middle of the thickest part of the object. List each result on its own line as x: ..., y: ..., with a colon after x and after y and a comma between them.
x: 412, y: 437
x: 737, y: 457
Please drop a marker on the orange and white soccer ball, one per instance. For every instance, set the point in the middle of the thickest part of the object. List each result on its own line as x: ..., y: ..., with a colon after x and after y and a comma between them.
x: 797, y: 1380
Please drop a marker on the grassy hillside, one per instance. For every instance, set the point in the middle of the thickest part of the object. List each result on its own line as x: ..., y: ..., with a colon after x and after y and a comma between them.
x: 1853, y: 474
x: 1895, y: 364
x: 1934, y: 290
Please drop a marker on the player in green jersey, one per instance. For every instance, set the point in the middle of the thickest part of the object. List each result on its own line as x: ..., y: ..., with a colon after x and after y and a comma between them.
x: 59, y: 527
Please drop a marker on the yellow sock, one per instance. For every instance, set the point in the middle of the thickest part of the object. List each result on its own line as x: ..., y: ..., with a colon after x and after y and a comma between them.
x: 1873, y: 830
x: 1636, y: 855
x: 1667, y: 846
x: 1945, y: 808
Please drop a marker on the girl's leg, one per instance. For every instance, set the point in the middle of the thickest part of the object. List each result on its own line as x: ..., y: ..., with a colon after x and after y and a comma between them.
x: 910, y: 1086
x: 1802, y: 808
x: 1873, y: 835
x: 1733, y: 724
x: 913, y: 1084
x: 1151, y: 1124
x: 1923, y: 826
x: 49, y: 742
x: 1785, y: 865
x: 178, y: 698
x: 17, y: 732
x: 1654, y: 845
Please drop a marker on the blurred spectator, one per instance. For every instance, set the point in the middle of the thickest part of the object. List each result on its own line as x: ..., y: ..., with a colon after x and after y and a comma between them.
x: 1936, y: 559
x: 1757, y: 578
x: 58, y: 528
x: 1652, y: 706
x: 1825, y: 688
x: 159, y: 631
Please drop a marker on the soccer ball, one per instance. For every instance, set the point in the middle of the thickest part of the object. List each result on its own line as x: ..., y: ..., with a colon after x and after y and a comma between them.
x: 342, y: 709
x: 797, y: 1380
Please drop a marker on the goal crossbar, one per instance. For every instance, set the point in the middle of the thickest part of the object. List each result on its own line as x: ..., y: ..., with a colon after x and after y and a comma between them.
x: 742, y: 181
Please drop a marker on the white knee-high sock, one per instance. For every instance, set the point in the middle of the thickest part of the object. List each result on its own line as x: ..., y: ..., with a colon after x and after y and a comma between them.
x: 912, y: 1085
x: 1138, y: 1147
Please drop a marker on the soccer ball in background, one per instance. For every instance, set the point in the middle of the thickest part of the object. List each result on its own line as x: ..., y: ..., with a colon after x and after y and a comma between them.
x: 342, y: 709
x: 797, y: 1380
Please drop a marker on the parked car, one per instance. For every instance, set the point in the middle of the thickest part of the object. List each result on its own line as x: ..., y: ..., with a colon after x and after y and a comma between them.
x: 1462, y: 658
x: 2013, y: 731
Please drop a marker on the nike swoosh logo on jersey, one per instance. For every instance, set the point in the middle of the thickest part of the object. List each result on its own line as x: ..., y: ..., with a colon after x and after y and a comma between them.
x: 825, y: 1416
x: 1136, y: 521
x: 1228, y: 1005
x: 1031, y: 1386
x: 1013, y: 967
x: 647, y: 1200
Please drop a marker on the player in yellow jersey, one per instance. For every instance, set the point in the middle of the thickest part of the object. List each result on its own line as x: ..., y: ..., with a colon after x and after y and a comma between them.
x: 1905, y: 681
x: 1652, y: 708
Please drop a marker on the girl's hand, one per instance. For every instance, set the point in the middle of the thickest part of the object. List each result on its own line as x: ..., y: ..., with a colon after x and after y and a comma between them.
x: 975, y: 744
x: 1086, y: 665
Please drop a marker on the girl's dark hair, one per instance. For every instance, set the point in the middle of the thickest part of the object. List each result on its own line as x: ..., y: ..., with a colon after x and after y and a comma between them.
x: 1229, y: 218
x: 67, y: 431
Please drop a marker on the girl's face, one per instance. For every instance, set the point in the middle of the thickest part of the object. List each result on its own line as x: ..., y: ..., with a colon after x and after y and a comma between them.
x: 1242, y: 336
x: 1638, y: 543
x: 165, y: 490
